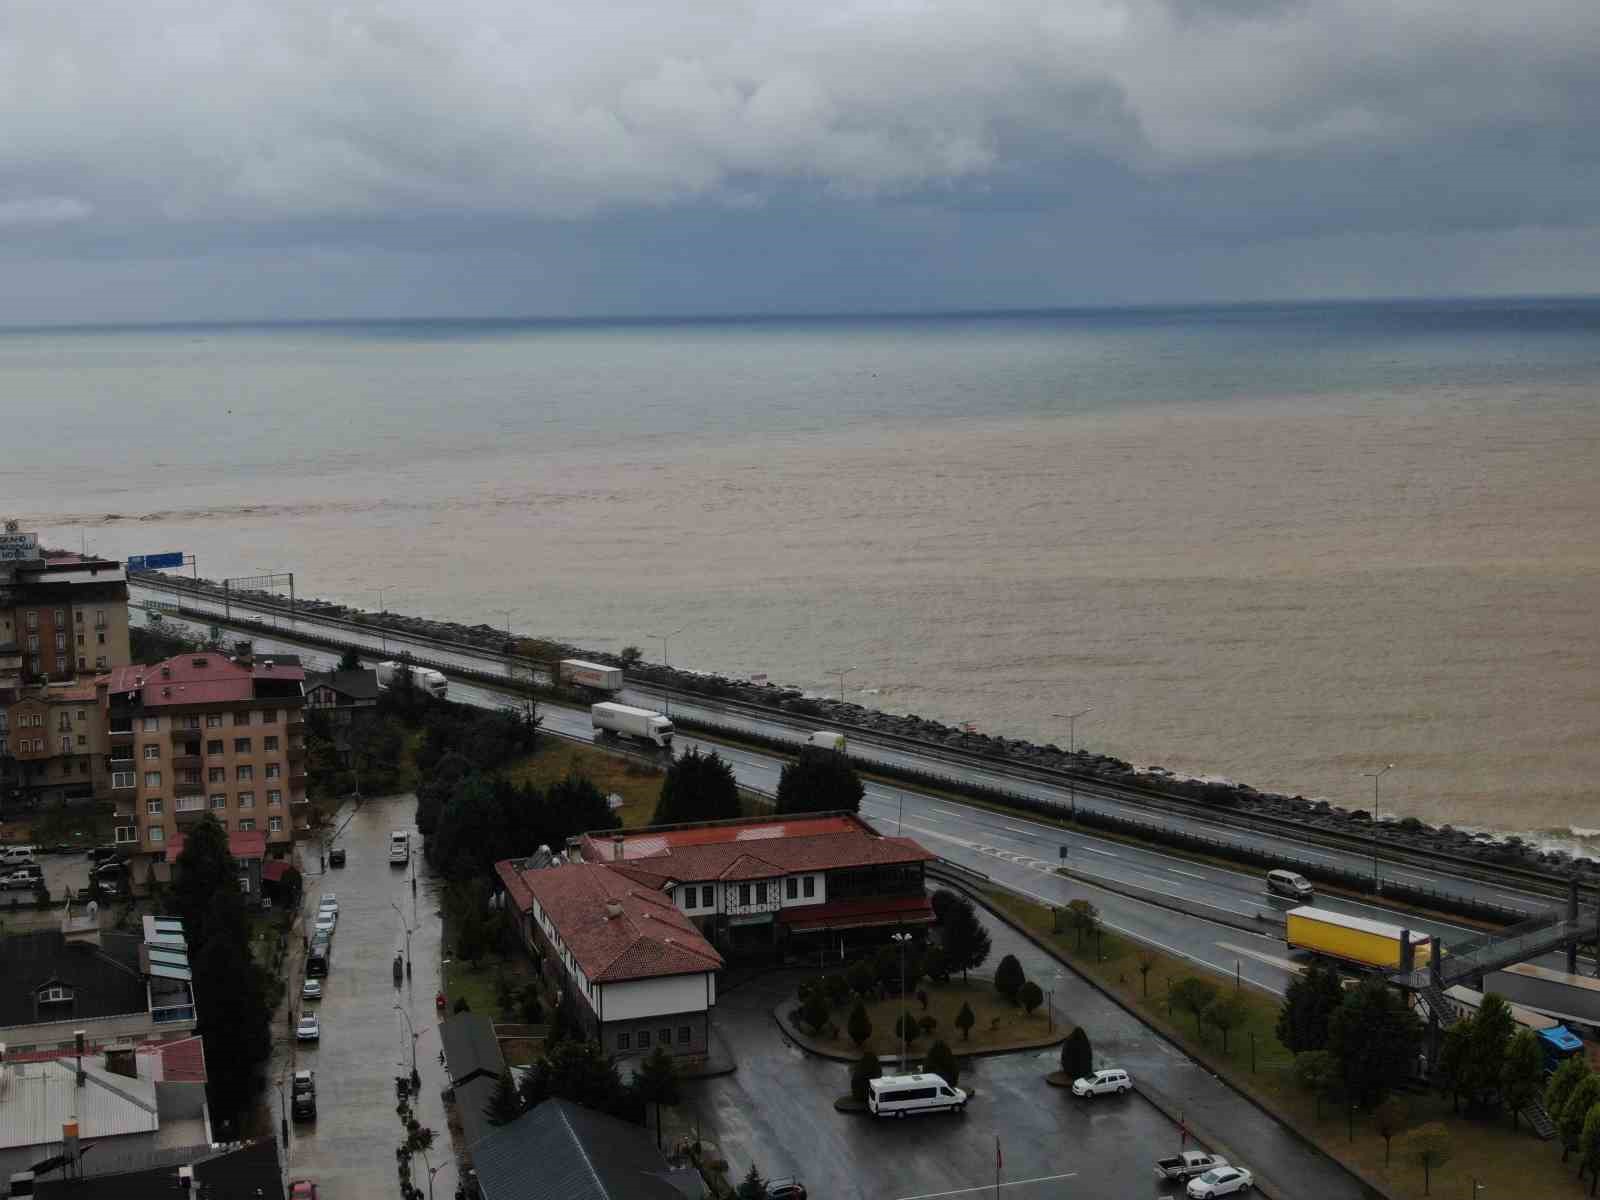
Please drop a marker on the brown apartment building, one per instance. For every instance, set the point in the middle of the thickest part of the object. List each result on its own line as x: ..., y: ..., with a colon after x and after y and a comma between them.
x: 67, y: 615
x: 56, y: 738
x: 205, y: 732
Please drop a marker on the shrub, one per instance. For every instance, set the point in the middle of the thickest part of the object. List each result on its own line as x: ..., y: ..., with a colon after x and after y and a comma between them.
x: 837, y: 988
x: 928, y: 1023
x: 863, y: 979
x: 906, y: 1028
x: 867, y: 1069
x: 815, y: 1010
x: 1008, y: 978
x: 935, y: 964
x: 461, y: 1005
x: 941, y: 1060
x: 860, y: 1025
x: 966, y: 1019
x: 1077, y: 1055
x: 1031, y: 996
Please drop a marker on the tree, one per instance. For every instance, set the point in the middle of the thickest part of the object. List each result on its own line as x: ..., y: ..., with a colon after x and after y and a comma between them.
x: 580, y: 1071
x: 941, y: 1060
x: 754, y: 1187
x: 819, y: 781
x: 1194, y: 995
x: 863, y: 979
x: 941, y: 900
x: 1589, y: 1147
x: 934, y: 964
x: 350, y: 660
x: 1389, y: 1118
x: 1375, y: 1039
x: 1316, y: 1071
x: 1307, y: 1006
x: 1521, y: 1073
x: 886, y: 964
x: 965, y: 1020
x: 1077, y: 1055
x: 206, y: 872
x: 656, y: 1080
x: 1567, y: 1077
x: 505, y: 1105
x: 1430, y: 1145
x: 907, y: 1028
x: 1031, y: 995
x: 965, y: 940
x: 1451, y: 1069
x: 1146, y: 960
x: 866, y: 1069
x: 1008, y: 978
x: 814, y: 1012
x: 1225, y: 1014
x: 1491, y: 1029
x: 631, y: 657
x: 1569, y: 1122
x: 1083, y: 918
x: 698, y: 787
x: 859, y: 1027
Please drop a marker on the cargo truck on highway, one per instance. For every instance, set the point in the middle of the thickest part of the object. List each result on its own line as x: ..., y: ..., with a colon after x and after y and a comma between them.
x: 1574, y: 998
x: 1355, y: 940
x: 592, y: 675
x: 623, y: 720
x: 826, y: 739
x: 426, y: 678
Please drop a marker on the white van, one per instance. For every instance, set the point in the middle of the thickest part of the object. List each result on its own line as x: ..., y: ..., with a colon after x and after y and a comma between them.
x: 16, y: 856
x: 826, y: 739
x: 399, y: 846
x: 897, y: 1095
x: 1288, y: 883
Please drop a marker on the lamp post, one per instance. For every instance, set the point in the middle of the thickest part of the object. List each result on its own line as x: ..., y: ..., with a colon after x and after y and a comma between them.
x: 416, y: 1079
x: 665, y: 662
x: 407, y: 928
x: 283, y: 1119
x: 901, y: 939
x: 841, y: 675
x: 507, y: 614
x: 1377, y: 884
x: 383, y: 639
x: 432, y: 1171
x: 1072, y: 749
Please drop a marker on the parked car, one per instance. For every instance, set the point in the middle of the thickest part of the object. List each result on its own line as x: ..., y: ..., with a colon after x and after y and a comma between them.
x: 101, y: 853
x: 1110, y: 1082
x: 786, y: 1189
x: 336, y: 857
x: 302, y: 1189
x: 1188, y: 1164
x: 329, y: 900
x: 1224, y: 1181
x: 311, y: 989
x: 309, y: 1029
x: 304, y: 1096
x: 26, y: 878
x: 325, y: 922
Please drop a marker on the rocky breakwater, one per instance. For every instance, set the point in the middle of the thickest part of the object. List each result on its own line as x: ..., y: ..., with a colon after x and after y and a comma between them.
x: 1315, y: 814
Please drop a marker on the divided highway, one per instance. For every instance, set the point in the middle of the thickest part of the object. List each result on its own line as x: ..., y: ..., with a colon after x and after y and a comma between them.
x: 1024, y: 854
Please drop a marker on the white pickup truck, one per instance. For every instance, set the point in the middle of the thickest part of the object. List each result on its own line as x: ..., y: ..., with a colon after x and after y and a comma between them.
x: 1188, y: 1164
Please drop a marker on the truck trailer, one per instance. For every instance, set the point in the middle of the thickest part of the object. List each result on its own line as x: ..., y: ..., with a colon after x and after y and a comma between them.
x: 1355, y: 940
x: 826, y: 739
x: 1573, y: 998
x: 623, y: 720
x: 431, y: 681
x: 591, y: 675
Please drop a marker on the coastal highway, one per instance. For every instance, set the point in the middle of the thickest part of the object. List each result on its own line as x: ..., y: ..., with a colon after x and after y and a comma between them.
x: 1087, y: 796
x: 1178, y: 897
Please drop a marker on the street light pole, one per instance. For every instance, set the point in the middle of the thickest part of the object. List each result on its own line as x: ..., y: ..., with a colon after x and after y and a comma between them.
x: 1072, y: 749
x: 507, y: 614
x: 902, y: 939
x: 407, y: 928
x: 383, y: 639
x: 841, y: 675
x: 283, y: 1120
x: 413, y: 1032
x: 1377, y: 884
x: 665, y: 662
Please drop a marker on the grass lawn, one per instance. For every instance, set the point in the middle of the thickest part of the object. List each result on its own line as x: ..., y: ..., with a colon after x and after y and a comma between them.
x: 639, y: 785
x: 999, y: 1025
x: 1507, y: 1163
x: 477, y: 984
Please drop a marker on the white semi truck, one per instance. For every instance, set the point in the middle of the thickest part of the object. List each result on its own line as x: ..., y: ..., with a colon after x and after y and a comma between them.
x: 431, y: 681
x: 826, y: 739
x: 593, y: 675
x: 622, y: 720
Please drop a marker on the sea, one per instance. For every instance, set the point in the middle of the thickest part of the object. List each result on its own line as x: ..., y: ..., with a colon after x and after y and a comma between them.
x: 1285, y: 545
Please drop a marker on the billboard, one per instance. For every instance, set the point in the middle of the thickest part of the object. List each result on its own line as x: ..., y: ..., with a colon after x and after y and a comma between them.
x: 19, y: 547
x: 155, y: 562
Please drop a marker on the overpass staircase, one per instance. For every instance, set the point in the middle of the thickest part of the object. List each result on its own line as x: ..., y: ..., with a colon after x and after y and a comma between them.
x: 1476, y: 957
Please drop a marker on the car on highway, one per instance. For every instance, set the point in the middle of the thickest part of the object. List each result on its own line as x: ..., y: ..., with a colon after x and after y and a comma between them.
x: 309, y: 1029
x: 311, y: 989
x: 786, y: 1189
x: 1224, y: 1181
x: 1112, y: 1081
x: 1289, y: 883
x: 336, y: 857
x: 302, y: 1189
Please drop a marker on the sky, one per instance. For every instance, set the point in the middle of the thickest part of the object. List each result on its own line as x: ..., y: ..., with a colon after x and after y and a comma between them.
x: 304, y: 159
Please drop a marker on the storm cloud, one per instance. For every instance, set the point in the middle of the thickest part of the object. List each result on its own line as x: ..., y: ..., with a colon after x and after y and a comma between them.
x: 422, y: 156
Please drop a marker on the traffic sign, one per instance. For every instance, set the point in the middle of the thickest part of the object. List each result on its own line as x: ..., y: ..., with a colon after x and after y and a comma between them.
x: 155, y: 562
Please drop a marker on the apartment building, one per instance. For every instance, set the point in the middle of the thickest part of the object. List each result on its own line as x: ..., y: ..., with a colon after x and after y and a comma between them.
x: 205, y: 732
x: 55, y: 737
x: 66, y: 615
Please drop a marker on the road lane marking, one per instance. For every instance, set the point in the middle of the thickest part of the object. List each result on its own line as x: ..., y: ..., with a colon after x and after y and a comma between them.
x: 1014, y: 829
x: 1093, y: 850
x: 1190, y: 874
x: 1270, y: 959
x: 989, y: 1187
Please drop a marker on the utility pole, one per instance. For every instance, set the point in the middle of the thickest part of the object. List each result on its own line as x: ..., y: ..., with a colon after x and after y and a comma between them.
x: 901, y: 939
x: 841, y: 675
x: 665, y: 662
x: 1072, y: 749
x: 1377, y: 884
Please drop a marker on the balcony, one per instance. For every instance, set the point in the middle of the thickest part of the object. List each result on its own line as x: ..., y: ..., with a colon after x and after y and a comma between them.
x: 189, y: 733
x: 124, y: 781
x: 172, y: 1013
x: 121, y: 737
x: 189, y: 789
x: 188, y: 816
x: 296, y: 754
x: 191, y: 762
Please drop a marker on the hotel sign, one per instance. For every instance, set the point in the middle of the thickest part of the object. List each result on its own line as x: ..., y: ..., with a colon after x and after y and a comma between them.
x: 19, y: 547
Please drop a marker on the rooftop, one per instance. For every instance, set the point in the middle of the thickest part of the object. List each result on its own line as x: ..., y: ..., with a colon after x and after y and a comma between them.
x: 759, y: 849
x: 470, y: 1047
x: 104, y: 979
x: 251, y: 1170
x: 645, y: 937
x: 37, y: 1098
x: 559, y: 1150
x: 360, y: 684
x: 248, y: 843
x: 207, y: 677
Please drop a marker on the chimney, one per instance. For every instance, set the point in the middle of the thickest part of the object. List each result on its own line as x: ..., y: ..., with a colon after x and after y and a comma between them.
x: 613, y: 909
x: 616, y: 848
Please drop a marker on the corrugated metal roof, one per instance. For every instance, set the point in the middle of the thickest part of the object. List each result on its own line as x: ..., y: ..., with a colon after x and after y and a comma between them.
x: 559, y: 1151
x: 37, y: 1098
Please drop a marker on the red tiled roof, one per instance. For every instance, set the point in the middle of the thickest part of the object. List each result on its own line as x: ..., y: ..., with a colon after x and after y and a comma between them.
x: 250, y: 843
x: 763, y: 858
x: 647, y: 939
x: 645, y: 842
x: 182, y: 1061
x: 220, y: 680
x: 857, y: 914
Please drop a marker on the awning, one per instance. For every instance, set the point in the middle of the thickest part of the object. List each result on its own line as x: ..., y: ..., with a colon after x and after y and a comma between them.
x: 858, y: 914
x: 273, y: 870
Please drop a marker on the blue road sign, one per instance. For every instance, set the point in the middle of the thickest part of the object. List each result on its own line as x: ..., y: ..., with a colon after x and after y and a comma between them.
x: 155, y: 562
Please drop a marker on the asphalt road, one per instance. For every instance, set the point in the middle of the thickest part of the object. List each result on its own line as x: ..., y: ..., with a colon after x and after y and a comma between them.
x: 349, y: 1149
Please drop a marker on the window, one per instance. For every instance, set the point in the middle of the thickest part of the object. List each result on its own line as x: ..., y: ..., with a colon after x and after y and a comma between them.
x: 270, y: 743
x: 689, y: 895
x: 685, y: 1035
x: 216, y: 774
x: 664, y: 1036
x: 624, y: 1042
x: 122, y: 779
x: 274, y: 799
x: 152, y: 779
x: 61, y: 661
x: 61, y: 616
x: 810, y: 886
x: 153, y: 750
x: 241, y: 718
x: 99, y: 639
x: 189, y: 804
x: 707, y: 897
x: 213, y: 720
x: 744, y: 893
x: 54, y: 995
x: 792, y: 887
x: 153, y: 807
x: 33, y: 619
x: 64, y: 721
x: 246, y: 824
x: 80, y: 639
x: 83, y: 739
x: 100, y: 662
x: 247, y: 799
x: 156, y: 833
x: 214, y: 746
x: 152, y: 724
x: 33, y: 643
x: 241, y: 745
x: 258, y: 717
x: 83, y: 663
x: 78, y: 616
x: 245, y: 773
x: 61, y: 640
x: 99, y: 618
x: 219, y: 801
x: 66, y: 745
x: 274, y: 770
x: 275, y: 824
x: 644, y: 1038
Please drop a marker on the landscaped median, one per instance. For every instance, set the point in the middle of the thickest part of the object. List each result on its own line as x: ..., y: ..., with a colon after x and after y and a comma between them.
x: 1249, y: 1056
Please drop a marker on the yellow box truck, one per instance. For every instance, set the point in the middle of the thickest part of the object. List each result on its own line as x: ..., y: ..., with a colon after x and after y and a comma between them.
x: 1354, y: 940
